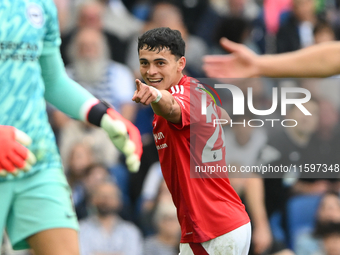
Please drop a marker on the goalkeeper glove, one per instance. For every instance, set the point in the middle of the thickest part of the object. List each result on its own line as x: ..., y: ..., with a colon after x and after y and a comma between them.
x: 123, y: 134
x: 13, y: 155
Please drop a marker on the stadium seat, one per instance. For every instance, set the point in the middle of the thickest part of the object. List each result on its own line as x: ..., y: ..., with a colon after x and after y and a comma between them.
x: 301, y: 214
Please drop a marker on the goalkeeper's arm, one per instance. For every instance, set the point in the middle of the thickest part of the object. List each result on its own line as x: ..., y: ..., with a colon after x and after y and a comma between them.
x: 72, y: 99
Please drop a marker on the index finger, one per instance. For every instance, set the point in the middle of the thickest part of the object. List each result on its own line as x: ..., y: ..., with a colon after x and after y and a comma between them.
x: 138, y: 84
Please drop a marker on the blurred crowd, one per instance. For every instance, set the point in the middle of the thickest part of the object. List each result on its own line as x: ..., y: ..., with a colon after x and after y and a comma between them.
x: 129, y: 214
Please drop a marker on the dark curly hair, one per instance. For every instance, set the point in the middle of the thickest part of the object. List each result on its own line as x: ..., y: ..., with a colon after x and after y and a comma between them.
x: 161, y: 38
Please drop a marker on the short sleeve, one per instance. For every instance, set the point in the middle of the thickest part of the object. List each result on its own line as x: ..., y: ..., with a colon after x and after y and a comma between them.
x: 181, y: 94
x: 188, y: 96
x: 52, y: 33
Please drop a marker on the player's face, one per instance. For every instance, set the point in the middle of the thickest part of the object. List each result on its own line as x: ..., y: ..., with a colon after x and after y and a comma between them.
x: 161, y: 70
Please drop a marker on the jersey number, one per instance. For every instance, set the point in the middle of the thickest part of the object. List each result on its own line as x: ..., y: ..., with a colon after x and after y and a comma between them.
x: 208, y: 154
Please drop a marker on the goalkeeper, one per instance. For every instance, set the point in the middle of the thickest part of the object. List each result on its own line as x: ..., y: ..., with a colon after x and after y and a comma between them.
x: 35, y: 203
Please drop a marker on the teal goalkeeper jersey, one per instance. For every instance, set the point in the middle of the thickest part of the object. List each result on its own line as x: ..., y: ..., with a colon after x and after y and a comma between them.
x: 29, y: 29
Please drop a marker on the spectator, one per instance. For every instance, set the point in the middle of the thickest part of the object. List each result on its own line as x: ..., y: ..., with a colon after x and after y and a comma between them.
x: 94, y: 175
x: 330, y: 236
x: 240, y: 8
x: 119, y: 21
x: 214, y: 15
x: 90, y: 15
x: 149, y: 203
x: 80, y: 157
x: 328, y: 89
x: 323, y: 149
x: 102, y: 77
x: 267, y: 24
x: 192, y: 12
x: 105, y: 232
x: 166, y: 240
x: 297, y: 31
x: 151, y: 186
x: 323, y: 32
x: 76, y: 132
x: 149, y: 157
x: 236, y: 29
x: 328, y: 213
x: 272, y: 10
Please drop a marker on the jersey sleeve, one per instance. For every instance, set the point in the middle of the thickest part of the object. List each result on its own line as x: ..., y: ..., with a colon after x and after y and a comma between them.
x: 52, y: 34
x: 181, y: 94
x: 189, y: 99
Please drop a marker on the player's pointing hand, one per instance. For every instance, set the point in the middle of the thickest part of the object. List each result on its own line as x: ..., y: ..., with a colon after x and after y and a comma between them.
x: 146, y: 94
x: 138, y: 84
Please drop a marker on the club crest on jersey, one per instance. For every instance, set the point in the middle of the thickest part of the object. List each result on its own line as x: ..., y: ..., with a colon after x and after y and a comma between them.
x: 35, y: 15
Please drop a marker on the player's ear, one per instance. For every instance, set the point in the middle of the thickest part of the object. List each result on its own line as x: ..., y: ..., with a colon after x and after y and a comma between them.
x: 181, y: 63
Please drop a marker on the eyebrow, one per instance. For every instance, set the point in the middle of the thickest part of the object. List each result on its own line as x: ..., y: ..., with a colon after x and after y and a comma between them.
x: 157, y: 59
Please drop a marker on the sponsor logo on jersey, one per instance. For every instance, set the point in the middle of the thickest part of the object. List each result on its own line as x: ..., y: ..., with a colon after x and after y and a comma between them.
x: 158, y: 136
x: 35, y: 15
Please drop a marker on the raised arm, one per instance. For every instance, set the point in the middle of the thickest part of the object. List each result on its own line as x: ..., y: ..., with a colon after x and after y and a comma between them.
x: 162, y: 102
x: 322, y: 60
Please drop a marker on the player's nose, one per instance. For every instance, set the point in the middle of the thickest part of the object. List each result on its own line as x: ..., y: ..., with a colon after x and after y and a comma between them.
x: 152, y: 70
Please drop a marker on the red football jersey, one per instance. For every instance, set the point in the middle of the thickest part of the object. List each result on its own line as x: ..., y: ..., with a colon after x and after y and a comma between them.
x: 207, y: 207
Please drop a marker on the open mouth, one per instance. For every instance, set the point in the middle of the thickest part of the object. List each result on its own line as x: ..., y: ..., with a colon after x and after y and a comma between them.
x: 155, y: 81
